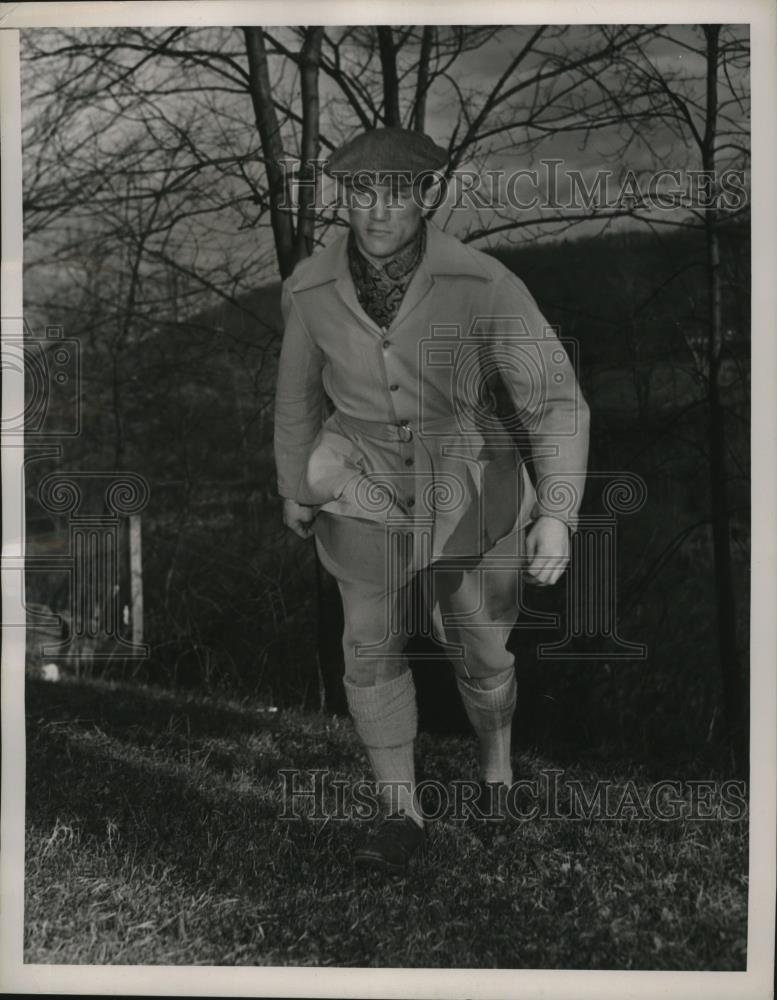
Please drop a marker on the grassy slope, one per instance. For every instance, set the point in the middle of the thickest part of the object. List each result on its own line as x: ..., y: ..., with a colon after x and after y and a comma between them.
x: 153, y: 837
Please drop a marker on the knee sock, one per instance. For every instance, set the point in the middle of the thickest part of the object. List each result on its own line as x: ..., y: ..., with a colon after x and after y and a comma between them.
x: 385, y: 717
x: 490, y: 710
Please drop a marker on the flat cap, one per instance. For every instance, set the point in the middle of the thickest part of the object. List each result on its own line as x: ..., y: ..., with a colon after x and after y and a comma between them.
x: 387, y: 150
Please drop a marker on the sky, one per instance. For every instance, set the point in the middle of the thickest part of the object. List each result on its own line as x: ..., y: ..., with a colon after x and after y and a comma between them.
x: 217, y: 122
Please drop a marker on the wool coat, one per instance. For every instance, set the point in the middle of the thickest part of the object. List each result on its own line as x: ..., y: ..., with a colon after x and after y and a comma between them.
x: 433, y: 422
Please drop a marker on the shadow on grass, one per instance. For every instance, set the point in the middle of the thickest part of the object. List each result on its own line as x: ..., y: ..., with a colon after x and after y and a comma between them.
x: 103, y: 758
x: 147, y: 783
x: 127, y: 708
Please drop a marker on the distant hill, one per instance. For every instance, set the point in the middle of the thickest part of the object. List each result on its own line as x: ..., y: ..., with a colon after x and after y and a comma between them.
x: 254, y: 316
x: 603, y: 291
x: 606, y: 291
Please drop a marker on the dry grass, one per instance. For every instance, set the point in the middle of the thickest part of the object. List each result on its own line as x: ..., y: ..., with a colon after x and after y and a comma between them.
x: 154, y: 838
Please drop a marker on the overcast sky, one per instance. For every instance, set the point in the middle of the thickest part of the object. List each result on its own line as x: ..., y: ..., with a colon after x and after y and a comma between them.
x: 228, y: 122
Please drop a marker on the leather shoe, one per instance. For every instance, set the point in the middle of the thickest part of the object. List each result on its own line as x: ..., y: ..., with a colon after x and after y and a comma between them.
x: 390, y: 848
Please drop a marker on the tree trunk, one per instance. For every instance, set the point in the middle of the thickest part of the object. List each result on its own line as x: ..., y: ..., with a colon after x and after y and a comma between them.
x: 272, y: 147
x: 328, y: 672
x: 388, y: 64
x: 422, y: 80
x: 732, y: 680
x: 328, y: 604
x: 331, y: 665
x: 310, y: 58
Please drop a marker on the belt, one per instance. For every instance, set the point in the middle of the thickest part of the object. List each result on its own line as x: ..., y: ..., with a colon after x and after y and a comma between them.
x: 421, y: 490
x: 402, y: 431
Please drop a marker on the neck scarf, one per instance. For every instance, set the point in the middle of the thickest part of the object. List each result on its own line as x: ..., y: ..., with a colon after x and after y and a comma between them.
x: 381, y: 287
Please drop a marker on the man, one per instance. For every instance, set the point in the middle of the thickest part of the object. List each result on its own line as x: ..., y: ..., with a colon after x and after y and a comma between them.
x: 412, y: 335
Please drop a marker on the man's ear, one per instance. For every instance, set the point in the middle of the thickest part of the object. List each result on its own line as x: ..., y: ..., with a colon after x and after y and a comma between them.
x: 432, y: 191
x: 430, y: 198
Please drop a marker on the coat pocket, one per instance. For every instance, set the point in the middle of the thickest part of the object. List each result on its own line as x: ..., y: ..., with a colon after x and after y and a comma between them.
x: 334, y: 461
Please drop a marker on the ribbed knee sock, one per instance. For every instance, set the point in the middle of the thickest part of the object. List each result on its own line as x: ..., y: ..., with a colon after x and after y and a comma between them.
x: 490, y: 710
x: 385, y: 717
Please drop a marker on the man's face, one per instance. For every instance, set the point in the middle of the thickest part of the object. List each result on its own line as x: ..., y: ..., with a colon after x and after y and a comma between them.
x: 383, y: 216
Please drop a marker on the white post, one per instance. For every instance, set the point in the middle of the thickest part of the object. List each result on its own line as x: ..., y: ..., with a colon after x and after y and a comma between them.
x: 136, y: 579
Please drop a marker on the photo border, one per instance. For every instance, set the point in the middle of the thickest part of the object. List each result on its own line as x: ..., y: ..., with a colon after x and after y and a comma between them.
x: 15, y: 976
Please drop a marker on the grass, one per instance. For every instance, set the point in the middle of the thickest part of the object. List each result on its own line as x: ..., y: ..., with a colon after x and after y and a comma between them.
x: 154, y: 837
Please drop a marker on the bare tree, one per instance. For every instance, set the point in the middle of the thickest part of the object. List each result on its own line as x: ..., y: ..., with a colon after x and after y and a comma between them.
x: 705, y: 110
x: 235, y: 105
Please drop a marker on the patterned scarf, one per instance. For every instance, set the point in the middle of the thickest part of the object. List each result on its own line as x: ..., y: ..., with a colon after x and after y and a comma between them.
x: 381, y: 288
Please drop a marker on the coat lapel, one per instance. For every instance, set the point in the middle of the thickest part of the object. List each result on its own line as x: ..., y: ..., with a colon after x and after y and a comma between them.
x: 445, y: 255
x: 345, y: 289
x: 418, y: 288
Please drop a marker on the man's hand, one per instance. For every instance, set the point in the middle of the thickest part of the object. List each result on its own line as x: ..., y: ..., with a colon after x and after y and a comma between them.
x: 547, y: 549
x: 298, y: 518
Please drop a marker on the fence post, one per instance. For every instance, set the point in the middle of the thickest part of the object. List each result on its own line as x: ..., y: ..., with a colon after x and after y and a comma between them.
x: 136, y: 579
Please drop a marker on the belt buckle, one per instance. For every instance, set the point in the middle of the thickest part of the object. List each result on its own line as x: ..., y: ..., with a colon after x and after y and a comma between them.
x: 405, y: 432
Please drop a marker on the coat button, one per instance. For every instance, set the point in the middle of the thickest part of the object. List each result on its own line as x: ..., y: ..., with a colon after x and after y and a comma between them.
x: 393, y: 388
x: 386, y: 344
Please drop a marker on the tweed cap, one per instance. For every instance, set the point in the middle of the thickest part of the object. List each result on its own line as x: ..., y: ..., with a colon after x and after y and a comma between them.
x: 387, y: 150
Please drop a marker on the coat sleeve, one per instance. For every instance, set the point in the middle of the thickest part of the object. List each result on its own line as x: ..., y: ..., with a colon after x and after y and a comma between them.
x: 299, y: 401
x: 539, y: 377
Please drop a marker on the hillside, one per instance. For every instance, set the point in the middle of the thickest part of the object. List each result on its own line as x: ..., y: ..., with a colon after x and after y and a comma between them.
x: 230, y: 595
x: 155, y: 836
